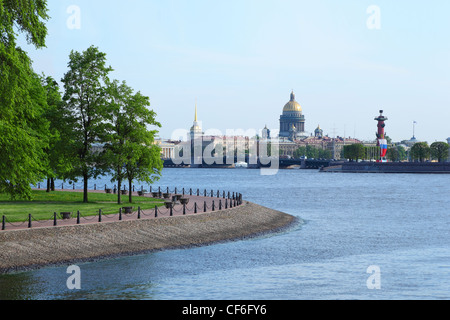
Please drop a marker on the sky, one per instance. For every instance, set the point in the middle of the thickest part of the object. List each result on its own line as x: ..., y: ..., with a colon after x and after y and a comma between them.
x: 239, y: 60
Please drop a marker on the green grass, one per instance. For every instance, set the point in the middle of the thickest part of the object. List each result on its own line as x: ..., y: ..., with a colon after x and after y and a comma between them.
x: 45, y: 204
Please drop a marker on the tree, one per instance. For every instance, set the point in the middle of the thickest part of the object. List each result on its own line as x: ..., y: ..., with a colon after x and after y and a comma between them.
x: 54, y: 114
x: 23, y: 130
x: 130, y: 149
x: 439, y: 151
x: 420, y: 151
x: 397, y: 153
x: 354, y: 151
x: 85, y: 106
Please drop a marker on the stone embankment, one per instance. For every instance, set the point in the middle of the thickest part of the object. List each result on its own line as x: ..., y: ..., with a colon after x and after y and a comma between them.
x: 34, y: 248
x: 392, y: 167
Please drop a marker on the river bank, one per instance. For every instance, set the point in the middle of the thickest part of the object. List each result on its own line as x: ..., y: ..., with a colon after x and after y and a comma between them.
x: 391, y: 167
x: 35, y: 248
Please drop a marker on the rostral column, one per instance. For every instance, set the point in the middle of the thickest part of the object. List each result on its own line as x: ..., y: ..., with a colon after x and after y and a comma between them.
x: 381, y: 137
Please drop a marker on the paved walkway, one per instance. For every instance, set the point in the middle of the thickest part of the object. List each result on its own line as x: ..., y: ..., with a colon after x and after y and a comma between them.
x: 195, y: 205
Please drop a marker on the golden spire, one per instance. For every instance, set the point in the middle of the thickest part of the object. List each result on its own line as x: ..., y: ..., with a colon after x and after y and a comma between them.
x: 195, y: 111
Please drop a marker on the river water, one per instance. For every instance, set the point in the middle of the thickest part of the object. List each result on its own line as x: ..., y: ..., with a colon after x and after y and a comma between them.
x: 361, y: 236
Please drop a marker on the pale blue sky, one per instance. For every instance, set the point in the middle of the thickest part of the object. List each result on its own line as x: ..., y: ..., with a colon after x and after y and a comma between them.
x: 240, y: 59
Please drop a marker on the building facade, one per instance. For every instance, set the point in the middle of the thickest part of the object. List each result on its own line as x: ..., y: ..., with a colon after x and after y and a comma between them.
x: 292, y: 121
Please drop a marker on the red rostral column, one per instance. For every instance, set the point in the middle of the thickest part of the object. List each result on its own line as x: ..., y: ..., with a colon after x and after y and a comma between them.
x: 381, y: 138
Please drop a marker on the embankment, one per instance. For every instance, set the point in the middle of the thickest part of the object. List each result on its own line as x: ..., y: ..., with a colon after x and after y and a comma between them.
x: 34, y: 248
x: 392, y: 167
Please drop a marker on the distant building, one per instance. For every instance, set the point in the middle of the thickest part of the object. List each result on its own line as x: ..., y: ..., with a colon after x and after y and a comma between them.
x: 409, y: 143
x: 196, y: 129
x: 167, y: 148
x: 292, y: 121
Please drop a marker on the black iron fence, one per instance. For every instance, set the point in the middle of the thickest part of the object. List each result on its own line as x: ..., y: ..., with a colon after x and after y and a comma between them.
x: 175, y: 202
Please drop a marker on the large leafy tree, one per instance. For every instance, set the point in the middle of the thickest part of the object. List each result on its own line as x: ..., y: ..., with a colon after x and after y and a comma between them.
x: 396, y: 153
x: 85, y: 109
x: 130, y: 149
x: 354, y: 151
x: 420, y: 151
x: 23, y: 130
x: 439, y: 151
x: 54, y: 113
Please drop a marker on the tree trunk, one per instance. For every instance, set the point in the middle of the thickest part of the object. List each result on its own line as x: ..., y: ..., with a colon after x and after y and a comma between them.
x: 119, y: 181
x: 52, y: 184
x: 48, y: 184
x: 85, y: 188
x: 130, y: 192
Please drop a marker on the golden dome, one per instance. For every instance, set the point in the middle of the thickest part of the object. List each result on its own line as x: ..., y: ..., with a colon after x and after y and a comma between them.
x: 292, y: 105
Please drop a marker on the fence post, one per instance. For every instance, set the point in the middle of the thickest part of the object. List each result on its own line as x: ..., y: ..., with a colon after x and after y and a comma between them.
x: 184, y: 209
x: 171, y: 210
x: 205, y: 193
x: 29, y: 220
x: 198, y: 192
x: 213, y: 205
x: 204, y: 206
x: 54, y: 218
x: 95, y: 187
x: 226, y: 204
x: 120, y: 214
x: 73, y: 186
x: 190, y: 191
x: 3, y: 223
x: 62, y: 186
x: 183, y: 191
x: 78, y: 217
x: 167, y: 189
x: 220, y: 204
x: 212, y: 193
x: 156, y: 211
x: 100, y: 215
x: 223, y: 194
x: 139, y: 213
x: 218, y: 194
x: 175, y: 190
x: 195, y: 208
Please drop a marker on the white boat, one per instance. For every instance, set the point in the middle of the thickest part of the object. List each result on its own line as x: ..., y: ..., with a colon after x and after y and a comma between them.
x: 241, y: 164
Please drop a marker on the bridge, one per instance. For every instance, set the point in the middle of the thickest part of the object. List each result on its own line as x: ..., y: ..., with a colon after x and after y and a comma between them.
x: 283, y: 163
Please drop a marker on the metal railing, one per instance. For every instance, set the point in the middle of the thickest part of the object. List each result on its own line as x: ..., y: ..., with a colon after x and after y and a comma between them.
x: 177, y: 205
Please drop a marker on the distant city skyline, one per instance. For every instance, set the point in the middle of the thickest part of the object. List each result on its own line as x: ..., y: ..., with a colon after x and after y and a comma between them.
x: 240, y: 60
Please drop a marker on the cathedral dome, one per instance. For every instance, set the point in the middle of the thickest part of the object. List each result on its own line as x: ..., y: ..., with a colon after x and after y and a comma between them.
x: 292, y: 105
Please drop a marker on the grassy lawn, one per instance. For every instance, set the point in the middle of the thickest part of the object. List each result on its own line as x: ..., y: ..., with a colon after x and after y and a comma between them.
x: 45, y: 204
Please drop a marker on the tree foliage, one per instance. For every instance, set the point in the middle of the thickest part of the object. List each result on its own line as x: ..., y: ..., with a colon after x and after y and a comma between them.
x: 312, y: 152
x: 396, y: 153
x: 130, y: 149
x: 439, y: 151
x: 85, y: 105
x: 420, y: 151
x: 354, y: 152
x: 23, y: 129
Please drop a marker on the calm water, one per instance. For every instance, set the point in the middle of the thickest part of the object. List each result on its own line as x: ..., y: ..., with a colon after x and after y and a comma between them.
x: 400, y: 223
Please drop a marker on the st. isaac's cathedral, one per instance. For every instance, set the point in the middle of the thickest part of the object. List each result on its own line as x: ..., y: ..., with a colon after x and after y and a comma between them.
x: 292, y: 121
